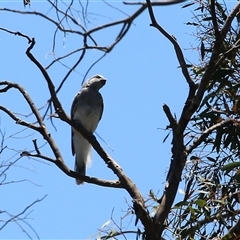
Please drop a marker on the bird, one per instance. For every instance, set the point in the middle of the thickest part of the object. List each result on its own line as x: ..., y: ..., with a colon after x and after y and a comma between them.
x: 87, y: 108
x: 26, y: 2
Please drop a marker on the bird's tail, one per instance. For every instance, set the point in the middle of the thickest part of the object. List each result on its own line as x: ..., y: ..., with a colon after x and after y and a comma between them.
x: 83, y: 157
x: 81, y: 169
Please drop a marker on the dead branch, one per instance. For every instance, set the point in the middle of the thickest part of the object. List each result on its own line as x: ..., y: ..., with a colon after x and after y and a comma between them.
x: 138, y: 200
x: 15, y: 217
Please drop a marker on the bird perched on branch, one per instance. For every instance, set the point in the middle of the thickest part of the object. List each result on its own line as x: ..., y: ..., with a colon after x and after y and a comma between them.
x: 87, y: 108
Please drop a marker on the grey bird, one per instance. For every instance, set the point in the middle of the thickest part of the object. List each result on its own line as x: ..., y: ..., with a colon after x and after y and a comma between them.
x: 87, y: 108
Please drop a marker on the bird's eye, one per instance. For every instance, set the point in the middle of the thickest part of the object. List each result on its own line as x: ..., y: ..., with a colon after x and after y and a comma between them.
x: 98, y: 76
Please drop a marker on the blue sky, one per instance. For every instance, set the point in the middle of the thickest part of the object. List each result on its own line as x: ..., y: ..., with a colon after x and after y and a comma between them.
x: 142, y: 74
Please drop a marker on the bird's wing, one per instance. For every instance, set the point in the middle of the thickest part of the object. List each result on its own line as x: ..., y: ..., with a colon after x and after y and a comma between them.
x: 73, y: 109
x: 73, y: 150
x: 101, y: 112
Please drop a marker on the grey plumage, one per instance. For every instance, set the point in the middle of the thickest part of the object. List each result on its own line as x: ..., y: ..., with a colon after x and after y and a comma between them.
x: 87, y: 108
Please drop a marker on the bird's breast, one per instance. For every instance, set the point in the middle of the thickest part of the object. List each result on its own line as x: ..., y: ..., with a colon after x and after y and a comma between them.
x: 88, y: 116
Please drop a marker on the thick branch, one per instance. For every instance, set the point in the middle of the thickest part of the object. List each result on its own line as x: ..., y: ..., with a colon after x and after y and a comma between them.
x: 214, y: 18
x: 173, y: 179
x: 178, y: 150
x: 171, y: 119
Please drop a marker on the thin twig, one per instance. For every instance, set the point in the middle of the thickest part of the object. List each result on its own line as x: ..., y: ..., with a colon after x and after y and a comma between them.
x: 21, y: 213
x: 208, y: 131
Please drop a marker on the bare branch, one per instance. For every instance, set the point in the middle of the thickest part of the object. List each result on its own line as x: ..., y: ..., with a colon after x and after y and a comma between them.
x: 92, y: 65
x: 43, y: 16
x: 70, y: 71
x: 36, y: 146
x: 62, y: 57
x: 66, y: 15
x: 21, y: 213
x: 3, y: 173
x: 70, y: 173
x: 171, y: 119
x: 18, y: 120
x: 158, y: 3
x: 177, y: 48
x: 178, y: 150
x: 26, y: 96
x: 16, y: 33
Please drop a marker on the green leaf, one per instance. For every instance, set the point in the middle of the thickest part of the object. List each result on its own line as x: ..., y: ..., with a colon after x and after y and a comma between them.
x: 237, y: 176
x: 211, y: 159
x: 200, y: 202
x: 202, y: 50
x: 207, y: 19
x: 180, y: 204
x: 188, y: 4
x: 228, y: 140
x: 229, y: 167
x: 198, y: 8
x: 217, y: 143
x: 192, y: 211
x: 192, y: 24
x: 222, y: 72
x: 220, y: 9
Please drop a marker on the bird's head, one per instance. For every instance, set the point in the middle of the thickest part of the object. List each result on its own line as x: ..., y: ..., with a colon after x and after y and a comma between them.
x: 97, y: 81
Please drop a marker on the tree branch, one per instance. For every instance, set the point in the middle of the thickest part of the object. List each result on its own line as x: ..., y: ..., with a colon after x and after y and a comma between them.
x: 177, y: 48
x: 208, y: 131
x: 138, y: 201
x: 189, y: 109
x: 234, y: 232
x: 212, y: 63
x: 214, y: 18
x: 27, y: 98
x: 171, y: 119
x: 21, y: 213
x: 45, y: 17
x: 18, y: 120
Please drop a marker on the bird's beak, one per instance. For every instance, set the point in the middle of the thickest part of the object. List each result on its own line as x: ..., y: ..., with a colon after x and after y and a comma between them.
x: 103, y: 81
